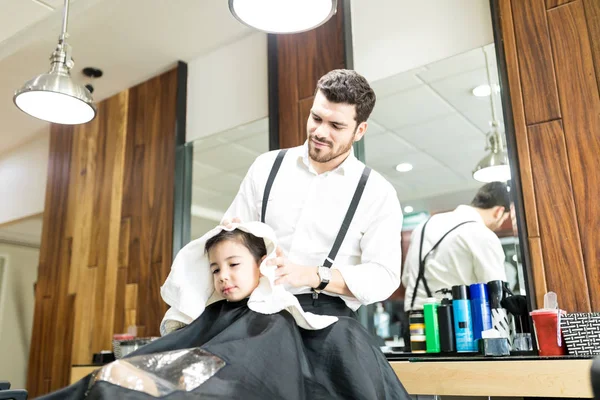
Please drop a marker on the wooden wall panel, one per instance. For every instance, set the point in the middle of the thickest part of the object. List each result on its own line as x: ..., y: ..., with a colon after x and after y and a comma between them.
x: 537, y: 266
x: 555, y: 3
x: 535, y: 61
x: 592, y: 16
x: 580, y: 104
x: 301, y: 60
x: 107, y: 233
x: 552, y: 70
x: 561, y: 246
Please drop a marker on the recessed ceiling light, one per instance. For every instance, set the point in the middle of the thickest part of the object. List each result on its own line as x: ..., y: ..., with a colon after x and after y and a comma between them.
x: 482, y: 91
x: 404, y: 167
x: 408, y: 209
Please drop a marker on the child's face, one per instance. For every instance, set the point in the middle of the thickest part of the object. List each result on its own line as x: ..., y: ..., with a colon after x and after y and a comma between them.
x: 235, y: 272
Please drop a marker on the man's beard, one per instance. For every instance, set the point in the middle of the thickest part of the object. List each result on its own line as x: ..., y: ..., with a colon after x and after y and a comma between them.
x: 324, y: 156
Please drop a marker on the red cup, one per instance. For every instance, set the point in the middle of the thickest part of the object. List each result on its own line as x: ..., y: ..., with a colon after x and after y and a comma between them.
x: 548, y: 333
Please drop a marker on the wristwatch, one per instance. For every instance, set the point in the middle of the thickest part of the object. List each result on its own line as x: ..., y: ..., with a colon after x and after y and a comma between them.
x: 325, y: 276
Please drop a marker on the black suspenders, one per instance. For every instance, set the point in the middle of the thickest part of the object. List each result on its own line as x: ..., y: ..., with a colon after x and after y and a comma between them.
x: 270, y: 180
x: 349, y: 214
x: 422, y: 260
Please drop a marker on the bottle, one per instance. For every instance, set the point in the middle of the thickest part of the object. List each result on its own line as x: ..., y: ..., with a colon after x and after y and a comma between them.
x: 416, y: 321
x: 446, y: 324
x: 480, y: 309
x: 463, y: 324
x: 382, y: 322
x: 432, y: 332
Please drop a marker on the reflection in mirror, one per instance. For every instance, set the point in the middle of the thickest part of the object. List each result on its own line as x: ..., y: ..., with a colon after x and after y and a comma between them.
x: 220, y: 162
x: 429, y: 131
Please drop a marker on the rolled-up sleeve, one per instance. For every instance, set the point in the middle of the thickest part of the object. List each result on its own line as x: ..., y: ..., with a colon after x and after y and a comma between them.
x: 378, y: 274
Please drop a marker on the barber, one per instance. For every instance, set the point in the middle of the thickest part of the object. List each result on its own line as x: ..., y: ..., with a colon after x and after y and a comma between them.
x: 338, y: 222
x: 458, y: 247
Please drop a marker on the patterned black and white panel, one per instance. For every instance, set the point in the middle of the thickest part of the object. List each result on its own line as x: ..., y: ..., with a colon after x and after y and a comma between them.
x: 582, y: 333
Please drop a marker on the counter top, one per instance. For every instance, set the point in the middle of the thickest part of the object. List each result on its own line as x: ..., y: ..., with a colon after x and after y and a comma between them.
x: 507, y: 377
x: 519, y: 378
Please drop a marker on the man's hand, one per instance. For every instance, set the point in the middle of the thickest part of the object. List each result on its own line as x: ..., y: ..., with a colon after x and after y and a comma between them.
x: 227, y: 222
x: 293, y: 274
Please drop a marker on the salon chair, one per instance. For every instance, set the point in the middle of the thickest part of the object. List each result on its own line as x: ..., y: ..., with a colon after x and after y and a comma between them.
x: 596, y: 378
x: 7, y: 394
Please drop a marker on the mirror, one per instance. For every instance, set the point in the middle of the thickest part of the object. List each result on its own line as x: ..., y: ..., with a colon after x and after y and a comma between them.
x: 220, y: 162
x: 426, y: 135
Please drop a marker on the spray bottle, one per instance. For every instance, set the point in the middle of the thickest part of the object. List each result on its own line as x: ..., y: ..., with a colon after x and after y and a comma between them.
x: 463, y: 323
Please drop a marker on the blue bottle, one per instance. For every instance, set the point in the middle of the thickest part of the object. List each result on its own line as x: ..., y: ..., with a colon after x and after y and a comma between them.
x: 480, y: 309
x: 463, y: 324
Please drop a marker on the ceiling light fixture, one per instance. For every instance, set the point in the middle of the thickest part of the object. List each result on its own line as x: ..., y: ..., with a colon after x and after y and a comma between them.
x: 53, y: 96
x: 408, y: 209
x: 283, y: 16
x: 404, y: 167
x: 494, y: 167
x: 482, y: 91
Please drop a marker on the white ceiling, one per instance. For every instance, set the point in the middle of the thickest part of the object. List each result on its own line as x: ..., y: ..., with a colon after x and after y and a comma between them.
x: 427, y: 117
x: 220, y: 163
x: 131, y: 41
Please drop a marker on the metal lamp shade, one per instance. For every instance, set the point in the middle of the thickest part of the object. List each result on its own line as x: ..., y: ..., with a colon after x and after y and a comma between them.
x: 54, y: 97
x: 283, y: 16
x: 493, y: 168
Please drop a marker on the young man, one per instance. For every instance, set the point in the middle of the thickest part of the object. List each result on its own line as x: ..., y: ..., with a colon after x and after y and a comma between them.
x: 470, y: 253
x: 310, y: 197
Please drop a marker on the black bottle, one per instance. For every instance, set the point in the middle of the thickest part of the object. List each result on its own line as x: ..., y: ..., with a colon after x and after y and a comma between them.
x: 446, y: 324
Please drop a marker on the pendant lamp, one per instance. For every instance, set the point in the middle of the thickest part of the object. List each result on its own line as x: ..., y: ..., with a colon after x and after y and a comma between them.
x: 283, y: 16
x: 494, y: 167
x: 53, y: 96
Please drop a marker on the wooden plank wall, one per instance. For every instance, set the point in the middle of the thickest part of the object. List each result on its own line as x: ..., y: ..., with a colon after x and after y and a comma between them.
x: 107, y: 233
x: 301, y: 60
x: 552, y: 50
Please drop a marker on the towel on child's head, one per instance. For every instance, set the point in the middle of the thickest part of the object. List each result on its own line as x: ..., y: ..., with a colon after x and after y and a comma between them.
x: 189, y: 287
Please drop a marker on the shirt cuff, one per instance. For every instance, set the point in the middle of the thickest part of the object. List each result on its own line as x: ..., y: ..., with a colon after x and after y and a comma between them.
x: 370, y: 282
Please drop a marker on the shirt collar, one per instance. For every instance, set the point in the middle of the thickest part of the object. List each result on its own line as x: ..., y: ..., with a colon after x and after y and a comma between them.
x: 469, y: 212
x: 351, y: 163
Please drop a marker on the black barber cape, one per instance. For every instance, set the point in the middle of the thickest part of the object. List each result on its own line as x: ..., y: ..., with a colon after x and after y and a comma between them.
x: 268, y: 357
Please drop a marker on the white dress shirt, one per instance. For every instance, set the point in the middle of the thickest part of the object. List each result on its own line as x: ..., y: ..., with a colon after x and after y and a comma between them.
x: 470, y: 254
x: 306, y: 211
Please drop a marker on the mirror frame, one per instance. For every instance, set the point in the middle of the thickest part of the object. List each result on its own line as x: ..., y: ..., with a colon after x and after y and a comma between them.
x: 513, y: 157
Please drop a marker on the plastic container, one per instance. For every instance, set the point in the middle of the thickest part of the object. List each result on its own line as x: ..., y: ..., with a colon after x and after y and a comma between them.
x: 501, y: 321
x: 416, y: 320
x: 547, y: 331
x: 382, y: 322
x: 463, y: 324
x: 432, y: 330
x: 446, y: 326
x: 480, y: 309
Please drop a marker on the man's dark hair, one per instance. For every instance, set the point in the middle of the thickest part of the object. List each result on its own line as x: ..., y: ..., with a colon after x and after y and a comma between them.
x: 255, y: 245
x: 491, y: 195
x: 348, y: 87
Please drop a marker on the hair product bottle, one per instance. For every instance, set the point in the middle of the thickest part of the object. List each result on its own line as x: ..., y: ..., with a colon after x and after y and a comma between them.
x: 432, y: 331
x: 463, y: 324
x: 416, y: 320
x: 480, y: 309
x: 446, y: 324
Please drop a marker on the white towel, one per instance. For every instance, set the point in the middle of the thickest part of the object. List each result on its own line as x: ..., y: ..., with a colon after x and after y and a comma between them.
x: 189, y: 287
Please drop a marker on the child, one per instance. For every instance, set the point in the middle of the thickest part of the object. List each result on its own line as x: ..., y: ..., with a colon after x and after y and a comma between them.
x: 227, y: 264
x: 241, y: 336
x: 235, y: 258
